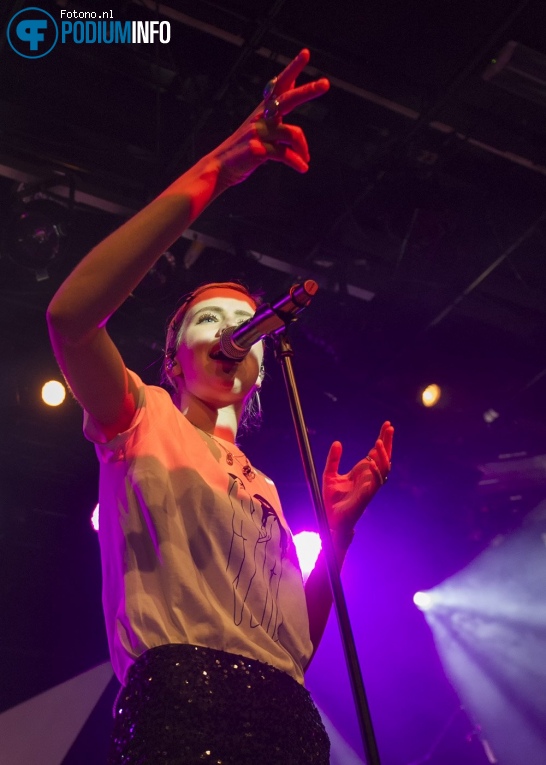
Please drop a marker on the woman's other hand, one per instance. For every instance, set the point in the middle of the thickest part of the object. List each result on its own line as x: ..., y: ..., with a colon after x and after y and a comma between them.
x: 346, y: 496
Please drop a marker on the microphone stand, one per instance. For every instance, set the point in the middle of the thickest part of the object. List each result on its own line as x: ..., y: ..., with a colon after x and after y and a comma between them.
x: 284, y: 353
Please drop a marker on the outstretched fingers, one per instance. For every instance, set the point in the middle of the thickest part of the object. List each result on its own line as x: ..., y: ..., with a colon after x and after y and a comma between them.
x: 333, y: 459
x: 379, y: 455
x: 381, y: 458
x: 386, y: 435
x: 263, y: 136
x: 286, y: 79
x: 297, y: 96
x: 282, y: 90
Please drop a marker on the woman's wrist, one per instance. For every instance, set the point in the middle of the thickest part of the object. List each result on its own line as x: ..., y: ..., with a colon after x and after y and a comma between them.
x: 196, y: 188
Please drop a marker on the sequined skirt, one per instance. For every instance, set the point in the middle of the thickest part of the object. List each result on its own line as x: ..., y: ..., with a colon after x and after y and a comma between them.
x: 188, y: 705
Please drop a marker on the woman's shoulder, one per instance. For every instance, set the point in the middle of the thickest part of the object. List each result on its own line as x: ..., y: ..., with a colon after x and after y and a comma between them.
x: 148, y: 393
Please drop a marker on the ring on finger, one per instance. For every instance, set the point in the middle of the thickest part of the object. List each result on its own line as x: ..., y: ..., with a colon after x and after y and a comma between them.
x: 377, y: 471
x: 271, y: 109
x: 269, y: 89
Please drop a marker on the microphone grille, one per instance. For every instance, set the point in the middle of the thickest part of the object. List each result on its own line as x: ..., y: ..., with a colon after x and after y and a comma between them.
x: 229, y: 348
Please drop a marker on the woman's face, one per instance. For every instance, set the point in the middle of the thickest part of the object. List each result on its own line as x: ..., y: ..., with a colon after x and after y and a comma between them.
x: 217, y: 382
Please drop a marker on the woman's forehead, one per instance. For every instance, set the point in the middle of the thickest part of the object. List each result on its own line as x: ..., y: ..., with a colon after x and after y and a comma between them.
x: 236, y: 304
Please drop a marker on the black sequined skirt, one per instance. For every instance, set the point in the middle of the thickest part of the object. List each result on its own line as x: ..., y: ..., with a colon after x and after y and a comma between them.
x: 188, y: 705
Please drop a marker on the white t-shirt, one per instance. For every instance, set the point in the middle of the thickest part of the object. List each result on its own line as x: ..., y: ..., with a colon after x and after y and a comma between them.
x: 192, y: 550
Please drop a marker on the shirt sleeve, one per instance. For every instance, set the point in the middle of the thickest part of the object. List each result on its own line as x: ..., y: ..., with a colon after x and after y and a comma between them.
x: 112, y: 449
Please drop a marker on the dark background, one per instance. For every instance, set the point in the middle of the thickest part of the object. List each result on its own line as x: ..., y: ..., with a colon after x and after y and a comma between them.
x: 422, y: 218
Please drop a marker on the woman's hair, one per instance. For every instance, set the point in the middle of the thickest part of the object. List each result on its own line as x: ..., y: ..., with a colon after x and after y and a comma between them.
x: 252, y: 412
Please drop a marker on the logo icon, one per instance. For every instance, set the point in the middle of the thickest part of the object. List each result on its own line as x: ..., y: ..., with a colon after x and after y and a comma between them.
x: 32, y: 33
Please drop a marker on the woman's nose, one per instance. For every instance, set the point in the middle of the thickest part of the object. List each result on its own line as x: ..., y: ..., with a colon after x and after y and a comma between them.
x: 223, y: 325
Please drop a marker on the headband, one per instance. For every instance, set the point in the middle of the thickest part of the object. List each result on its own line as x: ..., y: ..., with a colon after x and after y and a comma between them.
x: 222, y: 292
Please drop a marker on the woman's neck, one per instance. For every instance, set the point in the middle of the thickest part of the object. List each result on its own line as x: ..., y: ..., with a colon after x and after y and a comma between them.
x: 222, y: 422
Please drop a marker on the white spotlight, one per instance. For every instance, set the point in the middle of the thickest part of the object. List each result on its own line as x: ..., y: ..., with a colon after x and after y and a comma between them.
x: 308, y: 547
x: 423, y: 600
x: 95, y: 518
x: 53, y: 393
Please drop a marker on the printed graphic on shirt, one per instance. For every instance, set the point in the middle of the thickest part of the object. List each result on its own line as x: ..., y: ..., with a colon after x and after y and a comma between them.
x: 256, y: 575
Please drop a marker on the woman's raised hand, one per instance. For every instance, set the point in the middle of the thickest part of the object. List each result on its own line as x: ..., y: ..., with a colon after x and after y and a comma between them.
x: 346, y: 496
x: 263, y: 135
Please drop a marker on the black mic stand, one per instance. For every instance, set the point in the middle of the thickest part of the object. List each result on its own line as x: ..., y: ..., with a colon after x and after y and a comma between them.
x: 284, y: 353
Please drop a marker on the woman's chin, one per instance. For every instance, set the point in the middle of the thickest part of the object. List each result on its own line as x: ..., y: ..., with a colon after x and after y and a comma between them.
x: 226, y: 392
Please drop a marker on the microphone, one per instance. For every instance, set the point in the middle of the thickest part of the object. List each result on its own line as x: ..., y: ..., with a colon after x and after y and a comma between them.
x: 269, y: 319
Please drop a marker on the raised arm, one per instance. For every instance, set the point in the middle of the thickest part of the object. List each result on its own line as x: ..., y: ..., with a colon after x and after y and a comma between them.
x: 79, y: 311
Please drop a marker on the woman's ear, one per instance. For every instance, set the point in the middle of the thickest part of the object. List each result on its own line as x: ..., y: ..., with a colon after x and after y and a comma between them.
x: 173, y: 368
x: 176, y: 369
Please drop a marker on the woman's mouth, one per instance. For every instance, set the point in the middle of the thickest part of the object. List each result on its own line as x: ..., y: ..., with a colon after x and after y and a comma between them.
x: 216, y: 355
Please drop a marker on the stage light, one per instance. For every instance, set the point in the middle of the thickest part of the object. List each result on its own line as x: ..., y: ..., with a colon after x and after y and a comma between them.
x: 95, y: 518
x: 308, y: 547
x: 53, y: 393
x: 423, y: 600
x: 489, y: 627
x: 431, y: 395
x: 490, y: 416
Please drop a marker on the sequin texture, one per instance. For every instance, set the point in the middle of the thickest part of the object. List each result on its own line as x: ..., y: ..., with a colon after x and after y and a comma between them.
x: 188, y: 705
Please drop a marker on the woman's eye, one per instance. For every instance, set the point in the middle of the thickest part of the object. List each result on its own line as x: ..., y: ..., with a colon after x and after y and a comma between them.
x: 206, y: 317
